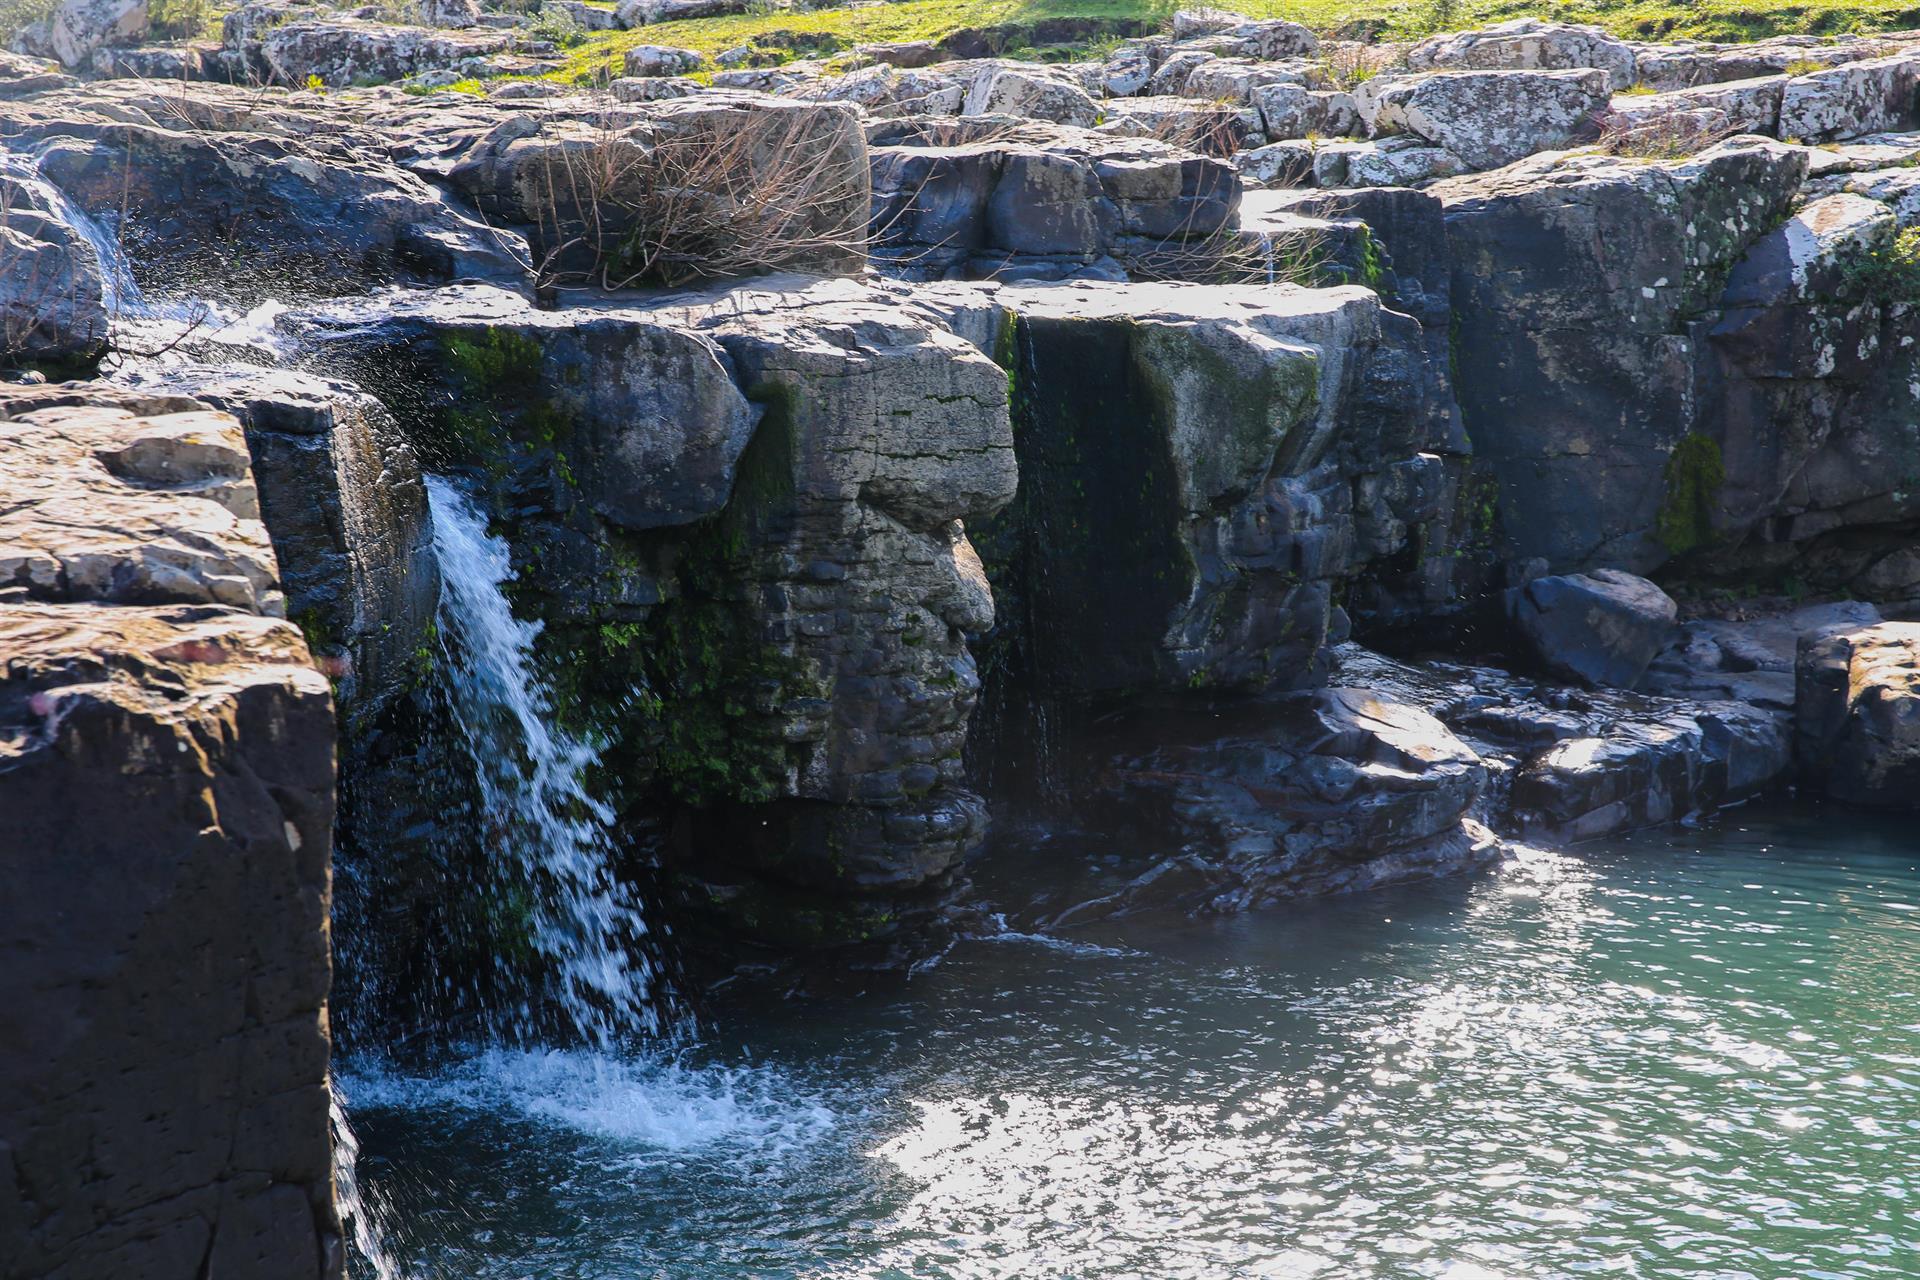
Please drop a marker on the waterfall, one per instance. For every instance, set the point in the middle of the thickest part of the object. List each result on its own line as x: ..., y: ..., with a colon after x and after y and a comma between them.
x: 538, y: 812
x: 126, y: 304
x: 362, y: 1213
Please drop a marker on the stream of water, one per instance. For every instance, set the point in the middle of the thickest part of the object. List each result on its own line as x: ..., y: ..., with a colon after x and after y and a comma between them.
x: 1685, y: 1054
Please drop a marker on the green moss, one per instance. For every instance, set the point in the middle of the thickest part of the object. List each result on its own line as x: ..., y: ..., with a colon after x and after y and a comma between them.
x: 716, y: 677
x: 500, y: 403
x: 1694, y: 474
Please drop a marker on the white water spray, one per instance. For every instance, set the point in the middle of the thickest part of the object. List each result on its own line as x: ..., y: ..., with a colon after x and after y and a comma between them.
x: 362, y: 1212
x: 532, y: 780
x: 157, y: 323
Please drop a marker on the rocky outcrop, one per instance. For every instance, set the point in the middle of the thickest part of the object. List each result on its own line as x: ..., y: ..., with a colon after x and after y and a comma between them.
x: 1201, y: 469
x: 81, y: 26
x: 1602, y: 628
x: 1857, y: 714
x: 1574, y: 278
x: 1488, y: 118
x: 53, y: 296
x: 341, y: 496
x: 752, y: 505
x: 166, y: 765
x: 1267, y: 799
x: 1576, y: 765
x: 1039, y: 202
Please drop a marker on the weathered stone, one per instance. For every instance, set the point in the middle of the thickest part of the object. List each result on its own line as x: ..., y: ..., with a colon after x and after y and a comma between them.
x: 1277, y: 798
x: 1585, y: 764
x: 588, y: 17
x: 1392, y: 162
x: 1749, y: 660
x: 1572, y: 279
x: 339, y: 54
x: 1032, y: 93
x: 22, y: 76
x: 166, y: 768
x: 1528, y: 44
x: 1744, y: 106
x: 53, y: 297
x: 1488, y: 118
x: 343, y: 501
x: 973, y: 208
x: 1198, y: 471
x: 1602, y: 628
x: 1214, y: 129
x: 886, y: 91
x: 1294, y: 111
x: 81, y: 26
x: 1857, y: 714
x: 661, y: 60
x: 1852, y: 99
x: 640, y: 13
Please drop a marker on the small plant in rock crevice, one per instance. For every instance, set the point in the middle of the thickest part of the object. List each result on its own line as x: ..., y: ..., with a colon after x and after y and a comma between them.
x: 1888, y: 274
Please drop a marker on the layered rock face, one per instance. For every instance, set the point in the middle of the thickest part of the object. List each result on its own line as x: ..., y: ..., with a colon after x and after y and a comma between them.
x: 746, y: 509
x: 1858, y: 725
x: 166, y: 765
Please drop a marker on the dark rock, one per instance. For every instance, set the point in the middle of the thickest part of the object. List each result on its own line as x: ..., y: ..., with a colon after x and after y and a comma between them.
x: 166, y: 768
x: 1304, y: 794
x: 1575, y: 372
x: 1602, y: 628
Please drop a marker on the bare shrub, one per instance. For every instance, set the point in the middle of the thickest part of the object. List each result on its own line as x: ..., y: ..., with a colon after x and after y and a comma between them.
x: 714, y: 192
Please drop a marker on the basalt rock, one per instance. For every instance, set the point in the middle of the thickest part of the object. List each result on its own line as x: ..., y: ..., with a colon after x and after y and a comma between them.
x: 166, y: 767
x: 1327, y: 792
x: 247, y: 214
x: 1576, y: 366
x: 1038, y: 200
x: 341, y: 496
x: 1857, y: 714
x: 1602, y: 628
x: 1201, y: 469
x: 53, y: 295
x: 761, y: 495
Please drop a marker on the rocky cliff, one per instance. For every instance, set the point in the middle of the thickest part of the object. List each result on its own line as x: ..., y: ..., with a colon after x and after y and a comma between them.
x: 166, y: 766
x: 873, y: 449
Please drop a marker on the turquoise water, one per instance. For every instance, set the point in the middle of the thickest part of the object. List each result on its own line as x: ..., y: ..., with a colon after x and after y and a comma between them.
x: 1685, y: 1054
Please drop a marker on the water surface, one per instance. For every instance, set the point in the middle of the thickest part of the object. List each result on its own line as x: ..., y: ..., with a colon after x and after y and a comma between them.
x: 1689, y: 1054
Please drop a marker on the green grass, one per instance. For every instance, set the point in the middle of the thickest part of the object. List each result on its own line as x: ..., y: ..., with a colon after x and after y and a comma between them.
x: 835, y: 30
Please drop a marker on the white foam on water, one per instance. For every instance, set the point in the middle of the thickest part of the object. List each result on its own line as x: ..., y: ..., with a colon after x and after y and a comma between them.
x: 656, y: 1105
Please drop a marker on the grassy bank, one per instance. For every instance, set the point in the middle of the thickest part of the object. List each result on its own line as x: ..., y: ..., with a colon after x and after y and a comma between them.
x: 833, y: 30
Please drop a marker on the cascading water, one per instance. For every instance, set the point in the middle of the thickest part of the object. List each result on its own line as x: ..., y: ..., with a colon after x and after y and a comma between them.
x: 156, y: 324
x: 532, y: 776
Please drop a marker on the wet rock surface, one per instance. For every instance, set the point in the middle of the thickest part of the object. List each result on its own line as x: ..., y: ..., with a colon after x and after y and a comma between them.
x: 166, y: 766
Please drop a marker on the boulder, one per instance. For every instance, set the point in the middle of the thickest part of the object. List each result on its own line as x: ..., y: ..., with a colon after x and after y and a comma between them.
x: 1852, y: 99
x: 1489, y: 118
x: 1857, y: 715
x: 81, y: 26
x: 1743, y: 106
x: 887, y: 91
x: 1583, y: 764
x: 1072, y: 196
x: 1214, y: 129
x: 661, y: 60
x: 1528, y: 44
x: 1602, y: 628
x: 453, y: 14
x: 166, y: 767
x: 1032, y: 93
x: 640, y: 13
x: 54, y: 300
x: 588, y: 17
x: 343, y: 53
x: 1295, y: 111
x: 1749, y: 660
